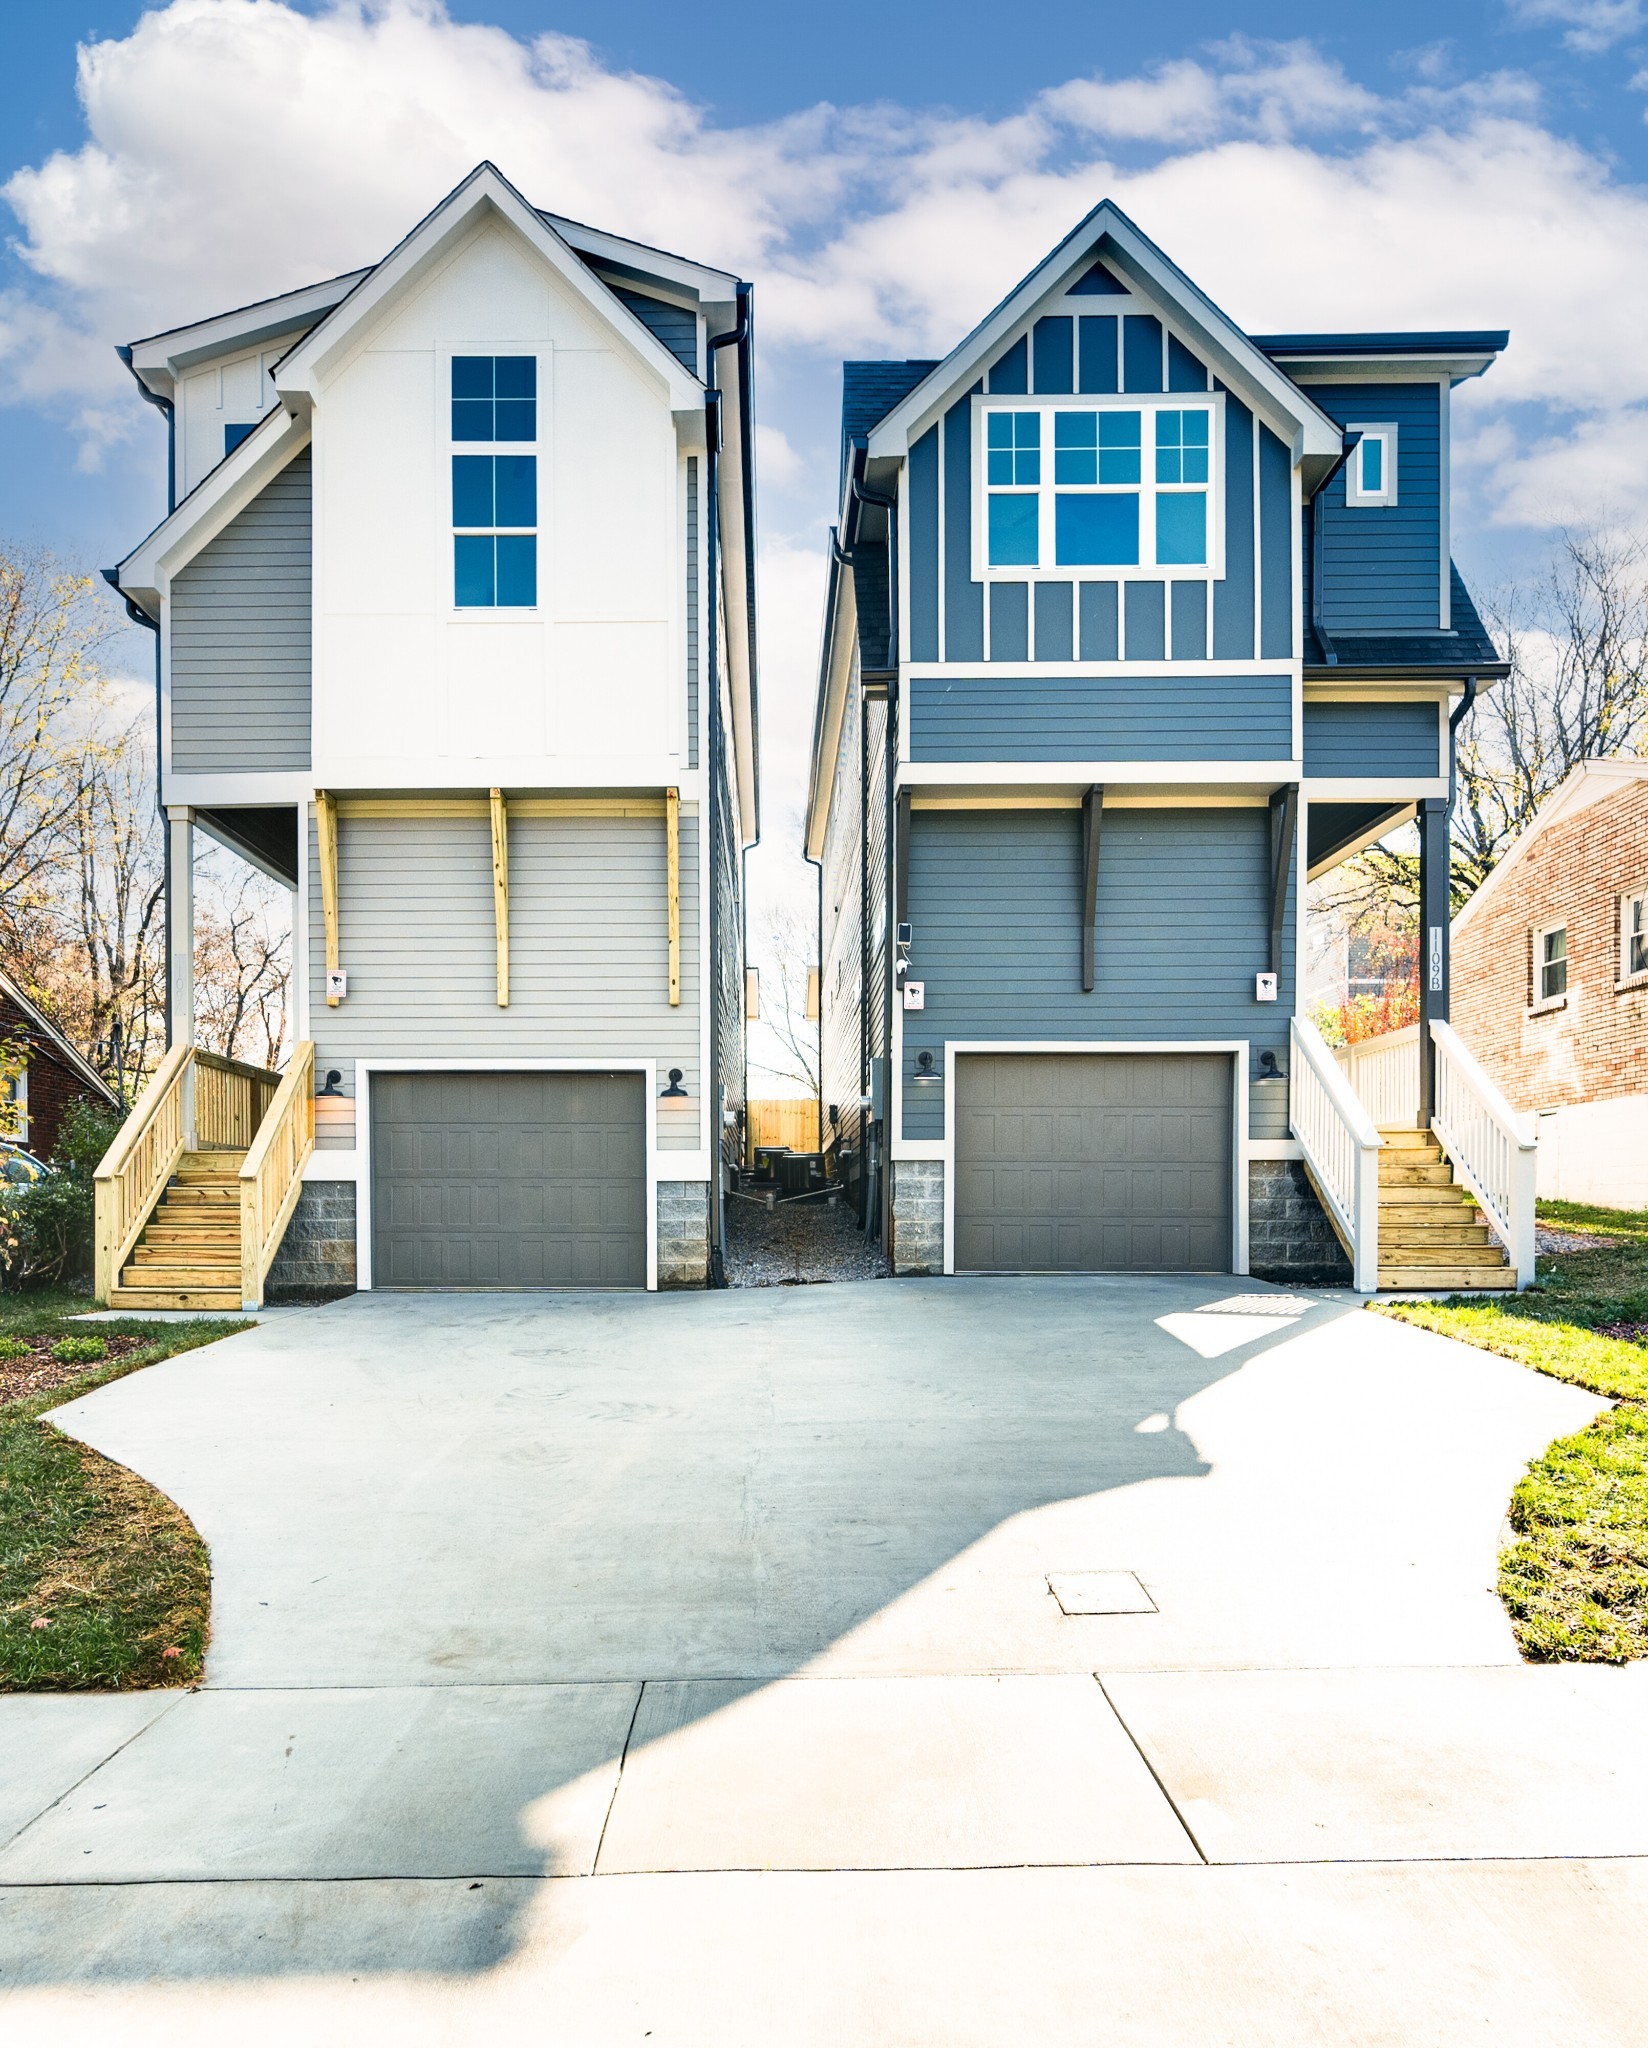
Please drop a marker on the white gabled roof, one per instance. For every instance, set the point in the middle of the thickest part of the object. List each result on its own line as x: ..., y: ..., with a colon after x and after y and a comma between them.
x: 1107, y: 233
x: 1581, y: 787
x: 485, y: 190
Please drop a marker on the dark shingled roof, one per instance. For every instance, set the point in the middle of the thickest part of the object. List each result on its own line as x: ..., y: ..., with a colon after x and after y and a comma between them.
x: 869, y: 391
x: 1476, y: 341
x: 1468, y: 649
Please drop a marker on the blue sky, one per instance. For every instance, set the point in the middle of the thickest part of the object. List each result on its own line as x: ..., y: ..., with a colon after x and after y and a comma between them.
x: 883, y: 172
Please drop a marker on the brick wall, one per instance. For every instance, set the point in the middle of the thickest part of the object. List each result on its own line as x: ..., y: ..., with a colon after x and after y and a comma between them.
x: 52, y: 1086
x: 1592, y: 1045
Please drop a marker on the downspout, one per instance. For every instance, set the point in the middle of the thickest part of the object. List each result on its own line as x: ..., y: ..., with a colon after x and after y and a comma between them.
x: 716, y: 1275
x: 889, y: 505
x: 1329, y: 652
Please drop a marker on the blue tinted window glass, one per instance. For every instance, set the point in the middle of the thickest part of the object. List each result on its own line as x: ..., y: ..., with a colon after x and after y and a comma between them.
x: 515, y: 419
x: 1195, y: 429
x: 998, y: 427
x: 515, y: 376
x: 517, y: 568
x: 1119, y: 465
x: 1181, y: 528
x: 1027, y: 466
x: 1118, y: 430
x: 1013, y: 542
x: 1075, y: 448
x: 1169, y: 429
x: 1195, y: 465
x: 1169, y: 465
x: 472, y: 569
x: 233, y: 436
x: 1096, y: 531
x: 471, y: 376
x: 1026, y: 429
x: 515, y: 489
x: 1000, y: 465
x: 472, y: 419
x: 1373, y: 465
x: 1020, y: 433
x: 1119, y: 459
x: 472, y: 490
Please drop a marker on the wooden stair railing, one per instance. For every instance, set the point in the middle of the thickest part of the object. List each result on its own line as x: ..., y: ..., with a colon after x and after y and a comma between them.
x: 199, y: 1102
x: 132, y: 1175
x: 271, y: 1179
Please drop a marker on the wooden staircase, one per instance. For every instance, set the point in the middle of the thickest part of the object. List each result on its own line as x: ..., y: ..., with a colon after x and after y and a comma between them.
x: 1431, y: 1233
x: 189, y: 1254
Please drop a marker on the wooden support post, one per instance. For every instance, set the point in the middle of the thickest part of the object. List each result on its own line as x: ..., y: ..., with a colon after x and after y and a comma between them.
x: 1284, y: 829
x: 672, y: 848
x: 901, y: 860
x: 326, y: 839
x: 500, y: 892
x: 1092, y: 813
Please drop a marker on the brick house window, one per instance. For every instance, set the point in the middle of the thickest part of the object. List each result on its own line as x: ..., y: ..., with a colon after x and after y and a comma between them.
x: 1633, y: 936
x: 1550, y: 946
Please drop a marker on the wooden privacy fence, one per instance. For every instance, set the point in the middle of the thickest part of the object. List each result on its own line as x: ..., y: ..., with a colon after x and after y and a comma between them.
x: 231, y: 1101
x: 790, y: 1120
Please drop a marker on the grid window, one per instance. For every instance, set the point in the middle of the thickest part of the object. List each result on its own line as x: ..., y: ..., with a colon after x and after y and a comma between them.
x: 494, y: 398
x: 1015, y: 448
x: 1181, y: 447
x: 1551, y: 960
x: 493, y: 567
x: 1634, y: 936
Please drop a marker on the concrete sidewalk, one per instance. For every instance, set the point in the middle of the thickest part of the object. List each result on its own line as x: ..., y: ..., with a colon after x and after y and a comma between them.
x: 602, y: 1669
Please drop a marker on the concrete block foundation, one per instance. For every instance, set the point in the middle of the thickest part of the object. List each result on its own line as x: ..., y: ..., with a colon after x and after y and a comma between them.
x: 317, y: 1254
x: 918, y: 1216
x: 1289, y: 1236
x: 683, y: 1232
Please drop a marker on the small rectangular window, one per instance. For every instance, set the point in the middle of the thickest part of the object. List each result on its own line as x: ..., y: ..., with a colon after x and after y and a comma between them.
x: 233, y: 436
x: 1633, y: 936
x: 493, y: 567
x: 1550, y: 963
x: 494, y: 398
x: 1370, y: 470
x: 1013, y: 472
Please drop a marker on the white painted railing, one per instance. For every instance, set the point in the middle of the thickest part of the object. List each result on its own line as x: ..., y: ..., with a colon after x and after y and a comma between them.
x: 1384, y: 1073
x: 1490, y: 1144
x: 1341, y: 1148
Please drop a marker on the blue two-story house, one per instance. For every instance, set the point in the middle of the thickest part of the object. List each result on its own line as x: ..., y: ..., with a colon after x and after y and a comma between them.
x: 1135, y: 624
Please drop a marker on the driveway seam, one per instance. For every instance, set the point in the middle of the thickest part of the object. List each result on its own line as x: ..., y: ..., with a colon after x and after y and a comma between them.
x: 171, y: 1707
x: 618, y: 1779
x: 1161, y: 1786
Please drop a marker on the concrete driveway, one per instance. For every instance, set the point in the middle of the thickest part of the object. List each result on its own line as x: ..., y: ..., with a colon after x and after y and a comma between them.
x: 957, y: 1662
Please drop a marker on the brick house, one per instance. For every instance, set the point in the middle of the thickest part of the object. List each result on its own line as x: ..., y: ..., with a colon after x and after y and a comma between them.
x: 1550, y: 982
x: 55, y: 1076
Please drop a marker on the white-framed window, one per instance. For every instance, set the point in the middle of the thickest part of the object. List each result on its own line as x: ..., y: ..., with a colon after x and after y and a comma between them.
x: 1633, y: 936
x: 1370, y: 474
x: 17, y: 1107
x: 1550, y: 965
x: 492, y: 466
x: 1075, y: 488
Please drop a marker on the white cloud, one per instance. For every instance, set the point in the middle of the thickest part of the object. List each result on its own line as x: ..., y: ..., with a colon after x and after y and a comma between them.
x: 1592, y: 25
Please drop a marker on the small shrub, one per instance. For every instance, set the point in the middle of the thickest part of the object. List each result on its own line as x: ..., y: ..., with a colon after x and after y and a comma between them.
x: 47, y: 1226
x: 13, y: 1347
x: 80, y: 1350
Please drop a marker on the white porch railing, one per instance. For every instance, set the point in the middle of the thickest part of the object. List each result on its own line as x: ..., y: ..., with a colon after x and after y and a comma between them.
x: 1341, y: 1148
x: 1490, y: 1144
x: 1384, y: 1073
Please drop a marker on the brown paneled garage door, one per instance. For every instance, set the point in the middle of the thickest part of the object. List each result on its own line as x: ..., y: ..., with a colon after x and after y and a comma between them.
x: 1093, y: 1162
x: 509, y: 1180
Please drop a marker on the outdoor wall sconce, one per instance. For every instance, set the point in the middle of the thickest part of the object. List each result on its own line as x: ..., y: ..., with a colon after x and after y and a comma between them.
x: 925, y: 1069
x: 674, y: 1087
x: 1268, y: 1069
x: 333, y: 1076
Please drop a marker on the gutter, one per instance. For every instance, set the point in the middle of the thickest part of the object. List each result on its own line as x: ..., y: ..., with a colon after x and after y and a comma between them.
x: 735, y: 336
x: 1316, y: 553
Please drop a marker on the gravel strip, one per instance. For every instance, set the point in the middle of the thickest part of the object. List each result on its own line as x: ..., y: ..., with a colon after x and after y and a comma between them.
x: 800, y: 1244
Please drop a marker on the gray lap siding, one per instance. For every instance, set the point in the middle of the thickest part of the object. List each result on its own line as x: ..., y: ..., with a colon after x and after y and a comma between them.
x: 1187, y: 717
x: 1350, y: 740
x: 1183, y: 928
x: 588, y: 949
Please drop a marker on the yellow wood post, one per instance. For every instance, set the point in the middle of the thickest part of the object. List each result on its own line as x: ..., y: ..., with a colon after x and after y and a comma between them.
x: 326, y: 837
x: 672, y: 833
x: 500, y: 892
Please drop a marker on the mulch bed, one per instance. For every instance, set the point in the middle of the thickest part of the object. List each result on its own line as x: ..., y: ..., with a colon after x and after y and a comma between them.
x: 37, y: 1372
x: 1627, y: 1333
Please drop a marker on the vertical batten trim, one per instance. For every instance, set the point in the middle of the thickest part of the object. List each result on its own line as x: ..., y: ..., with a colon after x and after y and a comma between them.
x: 326, y: 834
x: 1444, y: 435
x: 1092, y: 821
x: 500, y: 891
x: 672, y: 842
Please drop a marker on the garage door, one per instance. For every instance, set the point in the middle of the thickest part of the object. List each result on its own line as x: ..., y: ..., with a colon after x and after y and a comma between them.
x: 1093, y: 1163
x: 509, y: 1180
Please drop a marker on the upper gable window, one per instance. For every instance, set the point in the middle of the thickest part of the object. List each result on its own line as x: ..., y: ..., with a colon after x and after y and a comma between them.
x: 494, y: 398
x: 1116, y: 486
x: 1370, y: 474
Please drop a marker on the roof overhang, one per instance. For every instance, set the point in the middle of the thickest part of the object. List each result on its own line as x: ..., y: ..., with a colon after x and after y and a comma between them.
x: 642, y: 265
x: 1315, y: 441
x: 1581, y: 787
x: 1388, y: 358
x: 159, y: 360
x: 145, y: 575
x: 484, y: 194
x: 835, y: 672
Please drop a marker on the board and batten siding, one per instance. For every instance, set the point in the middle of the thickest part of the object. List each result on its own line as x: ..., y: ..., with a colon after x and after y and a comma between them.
x: 1382, y: 564
x: 1373, y: 739
x: 1247, y: 614
x: 1183, y: 928
x: 239, y: 638
x: 1197, y: 717
x: 588, y: 948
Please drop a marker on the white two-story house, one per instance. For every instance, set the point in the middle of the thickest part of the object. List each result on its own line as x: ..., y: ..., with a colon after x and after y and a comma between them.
x: 454, y: 609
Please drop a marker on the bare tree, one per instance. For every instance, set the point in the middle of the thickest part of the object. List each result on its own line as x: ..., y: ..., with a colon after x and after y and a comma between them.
x: 242, y: 964
x: 786, y: 1045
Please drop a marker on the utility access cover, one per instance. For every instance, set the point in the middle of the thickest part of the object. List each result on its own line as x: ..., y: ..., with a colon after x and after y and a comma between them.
x: 1100, y: 1593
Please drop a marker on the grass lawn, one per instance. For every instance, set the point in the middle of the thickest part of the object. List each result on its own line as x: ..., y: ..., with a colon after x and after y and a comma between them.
x: 104, y: 1584
x: 1576, y: 1579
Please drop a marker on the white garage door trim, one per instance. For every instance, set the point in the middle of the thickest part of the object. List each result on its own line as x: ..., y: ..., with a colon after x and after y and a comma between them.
x: 1239, y: 1050
x: 365, y: 1069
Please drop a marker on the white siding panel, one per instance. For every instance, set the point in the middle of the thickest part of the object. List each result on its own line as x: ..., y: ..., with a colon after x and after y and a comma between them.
x: 614, y: 488
x: 589, y: 948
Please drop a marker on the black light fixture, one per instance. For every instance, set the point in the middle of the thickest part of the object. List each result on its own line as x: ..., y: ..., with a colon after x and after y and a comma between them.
x: 925, y: 1069
x: 333, y: 1076
x: 674, y: 1087
x: 1268, y: 1069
